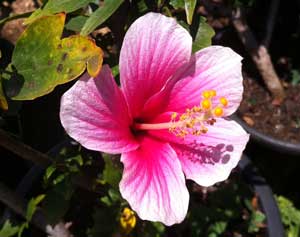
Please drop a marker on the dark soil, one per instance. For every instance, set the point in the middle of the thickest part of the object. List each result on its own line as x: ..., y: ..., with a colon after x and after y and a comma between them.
x: 279, y: 121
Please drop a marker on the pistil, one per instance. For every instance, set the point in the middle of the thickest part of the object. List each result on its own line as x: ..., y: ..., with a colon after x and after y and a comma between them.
x: 193, y: 121
x: 155, y: 126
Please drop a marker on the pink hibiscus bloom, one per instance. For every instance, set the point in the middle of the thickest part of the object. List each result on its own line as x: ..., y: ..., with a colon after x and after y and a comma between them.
x: 165, y: 120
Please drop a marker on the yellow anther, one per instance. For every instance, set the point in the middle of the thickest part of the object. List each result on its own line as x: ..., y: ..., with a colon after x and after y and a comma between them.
x: 196, y: 109
x: 206, y: 94
x: 190, y: 123
x: 218, y: 111
x: 196, y: 132
x: 224, y: 101
x: 203, y: 130
x: 206, y: 104
x: 197, y: 119
x: 183, y: 117
x: 212, y: 93
x: 174, y: 115
x: 127, y: 220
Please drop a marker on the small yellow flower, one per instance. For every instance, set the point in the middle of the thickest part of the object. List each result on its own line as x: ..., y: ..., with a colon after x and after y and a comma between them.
x: 127, y: 220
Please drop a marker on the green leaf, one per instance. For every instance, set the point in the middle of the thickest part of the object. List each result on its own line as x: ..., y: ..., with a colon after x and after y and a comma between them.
x: 106, y: 200
x: 217, y: 229
x: 76, y: 23
x: 57, y: 201
x: 44, y: 60
x: 8, y: 230
x: 55, y: 206
x: 32, y: 206
x: 142, y: 6
x: 57, y: 6
x: 22, y: 228
x: 189, y: 6
x: 114, y: 195
x: 49, y: 171
x: 115, y: 70
x: 290, y: 216
x: 256, y: 220
x: 111, y: 173
x: 100, y: 15
x: 177, y: 4
x: 59, y: 179
x: 203, y: 36
x: 295, y: 77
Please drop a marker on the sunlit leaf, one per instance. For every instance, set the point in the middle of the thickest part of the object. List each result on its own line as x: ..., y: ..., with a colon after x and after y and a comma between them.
x: 256, y: 220
x: 217, y: 228
x: 290, y: 216
x: 48, y: 173
x: 204, y: 35
x: 57, y: 6
x: 115, y: 70
x: 32, y: 206
x: 44, y: 60
x: 23, y: 226
x: 189, y: 6
x: 100, y: 15
x: 8, y: 230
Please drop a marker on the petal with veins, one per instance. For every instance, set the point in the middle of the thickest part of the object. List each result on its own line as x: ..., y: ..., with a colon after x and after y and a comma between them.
x: 154, y: 48
x: 94, y: 112
x: 153, y: 182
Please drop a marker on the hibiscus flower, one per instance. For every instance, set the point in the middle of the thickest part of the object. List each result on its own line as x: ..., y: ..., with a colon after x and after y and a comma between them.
x: 167, y: 120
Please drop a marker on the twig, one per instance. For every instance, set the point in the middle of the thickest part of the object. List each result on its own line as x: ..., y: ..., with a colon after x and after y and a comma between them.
x: 22, y: 150
x: 270, y: 22
x: 258, y: 52
x: 260, y: 56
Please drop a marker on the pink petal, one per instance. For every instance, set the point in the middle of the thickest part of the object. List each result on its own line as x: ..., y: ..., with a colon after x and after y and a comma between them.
x: 94, y: 112
x: 213, y: 68
x: 154, y: 47
x: 209, y: 158
x: 153, y: 183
